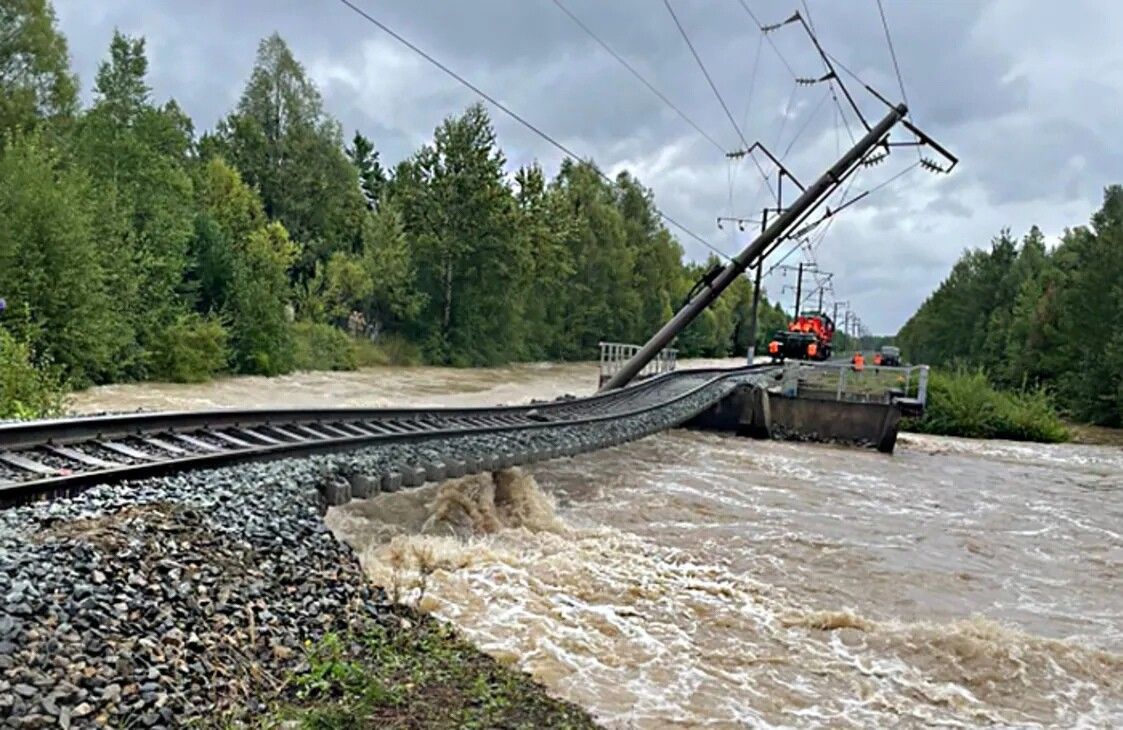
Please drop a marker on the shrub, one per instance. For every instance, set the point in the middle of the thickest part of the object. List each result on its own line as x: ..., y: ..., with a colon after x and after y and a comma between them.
x: 27, y: 390
x: 389, y: 350
x: 319, y: 346
x: 192, y: 350
x: 963, y: 403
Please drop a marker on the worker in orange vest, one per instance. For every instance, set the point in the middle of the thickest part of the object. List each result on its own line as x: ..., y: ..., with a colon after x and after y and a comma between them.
x: 859, y: 362
x: 877, y: 359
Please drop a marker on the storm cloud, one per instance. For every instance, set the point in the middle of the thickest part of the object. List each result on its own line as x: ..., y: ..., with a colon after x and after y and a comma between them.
x: 1027, y: 93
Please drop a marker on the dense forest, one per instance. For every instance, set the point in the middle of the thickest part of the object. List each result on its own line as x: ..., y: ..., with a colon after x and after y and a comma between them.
x: 134, y: 246
x: 1032, y: 317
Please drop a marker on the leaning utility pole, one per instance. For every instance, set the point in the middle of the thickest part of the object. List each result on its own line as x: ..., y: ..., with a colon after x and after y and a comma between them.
x: 781, y: 226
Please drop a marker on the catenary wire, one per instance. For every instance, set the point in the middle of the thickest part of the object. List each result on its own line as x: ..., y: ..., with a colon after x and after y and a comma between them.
x: 706, y: 73
x: 514, y: 115
x: 631, y: 69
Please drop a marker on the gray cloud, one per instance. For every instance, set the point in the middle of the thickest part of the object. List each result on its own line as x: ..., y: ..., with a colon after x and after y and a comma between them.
x: 1027, y: 93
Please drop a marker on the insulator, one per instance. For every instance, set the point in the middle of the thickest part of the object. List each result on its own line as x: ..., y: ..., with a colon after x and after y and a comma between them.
x: 931, y: 165
x: 874, y: 160
x: 720, y: 227
x: 741, y: 225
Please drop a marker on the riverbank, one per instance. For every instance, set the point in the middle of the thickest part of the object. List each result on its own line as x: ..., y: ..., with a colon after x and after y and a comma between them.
x: 220, y: 599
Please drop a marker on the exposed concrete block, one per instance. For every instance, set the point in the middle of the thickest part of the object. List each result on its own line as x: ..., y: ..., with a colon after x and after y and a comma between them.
x: 413, y: 476
x: 335, y: 491
x: 455, y: 468
x: 362, y: 486
x: 391, y: 481
x: 435, y: 471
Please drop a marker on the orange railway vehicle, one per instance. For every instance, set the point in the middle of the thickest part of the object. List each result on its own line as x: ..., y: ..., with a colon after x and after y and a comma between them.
x: 808, y: 337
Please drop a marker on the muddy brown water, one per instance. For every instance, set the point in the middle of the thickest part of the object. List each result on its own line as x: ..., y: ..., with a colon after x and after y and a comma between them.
x: 694, y: 579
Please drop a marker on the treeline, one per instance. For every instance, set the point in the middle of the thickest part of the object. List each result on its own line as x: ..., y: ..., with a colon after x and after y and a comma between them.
x: 1029, y: 316
x: 133, y: 246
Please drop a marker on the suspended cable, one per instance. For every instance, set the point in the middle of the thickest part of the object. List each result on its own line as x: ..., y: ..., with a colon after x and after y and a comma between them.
x: 810, y: 118
x: 760, y: 27
x: 514, y: 115
x: 830, y: 221
x: 702, y: 66
x: 896, y: 66
x: 651, y: 87
x: 893, y: 53
x: 745, y: 117
x: 752, y: 80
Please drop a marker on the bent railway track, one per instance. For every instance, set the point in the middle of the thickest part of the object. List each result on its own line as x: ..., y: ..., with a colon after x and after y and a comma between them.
x: 57, y: 457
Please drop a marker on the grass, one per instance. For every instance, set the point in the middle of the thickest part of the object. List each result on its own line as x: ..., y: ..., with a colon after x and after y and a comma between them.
x: 964, y: 403
x: 389, y: 350
x: 324, y: 347
x: 871, y: 381
x: 413, y: 671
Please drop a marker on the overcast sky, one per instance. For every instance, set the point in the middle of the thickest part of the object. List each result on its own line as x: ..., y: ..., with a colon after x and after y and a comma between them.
x: 1026, y: 92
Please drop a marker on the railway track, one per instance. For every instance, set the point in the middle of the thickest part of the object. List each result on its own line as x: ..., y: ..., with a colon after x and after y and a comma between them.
x: 57, y: 457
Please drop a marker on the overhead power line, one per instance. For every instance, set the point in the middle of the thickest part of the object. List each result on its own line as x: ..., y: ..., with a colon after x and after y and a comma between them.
x: 896, y: 65
x: 631, y: 69
x: 893, y: 53
x: 709, y: 79
x: 514, y: 115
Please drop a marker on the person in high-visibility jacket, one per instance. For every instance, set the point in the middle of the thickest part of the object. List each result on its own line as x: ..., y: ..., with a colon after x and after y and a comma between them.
x: 858, y: 361
x: 877, y: 359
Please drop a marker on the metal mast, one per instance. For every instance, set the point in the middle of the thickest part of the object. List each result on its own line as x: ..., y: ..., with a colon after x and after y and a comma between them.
x: 781, y: 226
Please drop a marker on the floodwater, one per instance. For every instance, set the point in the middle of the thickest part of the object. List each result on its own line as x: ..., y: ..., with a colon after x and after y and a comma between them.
x: 695, y: 579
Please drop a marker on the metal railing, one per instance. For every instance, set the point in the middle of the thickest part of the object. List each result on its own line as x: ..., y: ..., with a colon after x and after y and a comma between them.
x: 613, y: 355
x: 871, y: 384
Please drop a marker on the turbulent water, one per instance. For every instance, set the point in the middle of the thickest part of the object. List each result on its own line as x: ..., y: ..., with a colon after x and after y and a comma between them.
x: 694, y: 579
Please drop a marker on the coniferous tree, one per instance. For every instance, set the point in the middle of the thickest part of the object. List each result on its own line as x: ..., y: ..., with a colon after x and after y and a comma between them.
x: 36, y: 82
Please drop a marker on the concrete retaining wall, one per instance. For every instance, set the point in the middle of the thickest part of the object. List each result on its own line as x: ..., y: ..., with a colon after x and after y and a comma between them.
x: 755, y: 412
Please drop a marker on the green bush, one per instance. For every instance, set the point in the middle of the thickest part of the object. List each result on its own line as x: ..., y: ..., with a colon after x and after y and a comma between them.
x: 389, y: 350
x: 26, y: 390
x: 963, y: 403
x: 322, y: 347
x: 192, y: 350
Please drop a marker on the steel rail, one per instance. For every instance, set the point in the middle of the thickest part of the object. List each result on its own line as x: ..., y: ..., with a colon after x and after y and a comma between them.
x: 96, y: 450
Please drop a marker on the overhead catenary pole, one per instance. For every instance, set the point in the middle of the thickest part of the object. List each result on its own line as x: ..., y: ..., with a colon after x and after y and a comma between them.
x: 798, y: 290
x: 756, y: 293
x: 781, y: 225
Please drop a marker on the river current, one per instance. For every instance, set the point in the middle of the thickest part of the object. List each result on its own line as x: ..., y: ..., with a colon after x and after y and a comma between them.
x: 695, y: 579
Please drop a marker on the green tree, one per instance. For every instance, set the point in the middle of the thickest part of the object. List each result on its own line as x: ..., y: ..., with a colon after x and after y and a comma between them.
x: 51, y: 274
x: 136, y: 155
x: 461, y: 217
x: 545, y: 225
x: 260, y: 330
x: 372, y: 176
x: 599, y: 303
x: 35, y: 78
x: 287, y: 147
x: 394, y: 298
